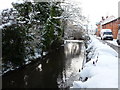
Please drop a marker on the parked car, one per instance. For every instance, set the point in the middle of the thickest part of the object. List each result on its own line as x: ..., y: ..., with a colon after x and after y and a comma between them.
x: 118, y: 36
x: 106, y: 34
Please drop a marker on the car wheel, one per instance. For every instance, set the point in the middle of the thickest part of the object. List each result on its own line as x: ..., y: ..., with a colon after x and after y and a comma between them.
x: 118, y: 42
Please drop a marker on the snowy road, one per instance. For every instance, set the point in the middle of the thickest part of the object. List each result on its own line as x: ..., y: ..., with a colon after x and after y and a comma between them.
x: 115, y: 47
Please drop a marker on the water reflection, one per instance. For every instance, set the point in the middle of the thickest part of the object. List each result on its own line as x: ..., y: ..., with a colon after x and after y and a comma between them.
x: 72, y: 52
x: 25, y: 79
x: 72, y: 49
x: 57, y: 70
x: 39, y: 68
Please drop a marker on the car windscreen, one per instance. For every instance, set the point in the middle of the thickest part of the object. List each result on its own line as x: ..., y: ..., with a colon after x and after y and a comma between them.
x: 108, y: 33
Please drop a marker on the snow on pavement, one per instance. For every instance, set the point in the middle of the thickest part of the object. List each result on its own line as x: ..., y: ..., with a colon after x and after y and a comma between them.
x: 114, y: 42
x: 102, y: 70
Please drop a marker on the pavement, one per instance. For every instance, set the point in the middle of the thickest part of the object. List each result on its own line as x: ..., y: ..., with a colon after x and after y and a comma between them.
x: 117, y: 49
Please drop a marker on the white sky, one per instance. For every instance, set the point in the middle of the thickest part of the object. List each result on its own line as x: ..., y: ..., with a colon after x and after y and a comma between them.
x: 5, y: 4
x: 94, y: 9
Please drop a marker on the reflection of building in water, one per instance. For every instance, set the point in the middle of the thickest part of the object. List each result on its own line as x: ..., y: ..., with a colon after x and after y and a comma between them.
x: 72, y: 48
x: 74, y: 56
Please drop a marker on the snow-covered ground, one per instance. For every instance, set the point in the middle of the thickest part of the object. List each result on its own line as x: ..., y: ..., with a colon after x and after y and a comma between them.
x: 102, y: 70
x: 114, y: 42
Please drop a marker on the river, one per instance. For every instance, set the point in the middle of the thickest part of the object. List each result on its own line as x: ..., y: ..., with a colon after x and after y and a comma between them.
x: 57, y: 70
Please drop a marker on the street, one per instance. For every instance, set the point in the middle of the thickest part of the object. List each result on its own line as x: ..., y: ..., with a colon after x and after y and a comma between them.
x: 116, y: 48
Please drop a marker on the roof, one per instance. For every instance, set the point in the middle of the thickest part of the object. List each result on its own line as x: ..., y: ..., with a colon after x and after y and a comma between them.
x: 109, y: 19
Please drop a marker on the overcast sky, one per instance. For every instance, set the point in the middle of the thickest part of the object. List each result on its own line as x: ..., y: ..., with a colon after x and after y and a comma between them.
x: 94, y: 9
x: 5, y: 4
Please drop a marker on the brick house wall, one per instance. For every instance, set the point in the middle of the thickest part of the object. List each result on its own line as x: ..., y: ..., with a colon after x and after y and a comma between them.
x: 113, y: 25
x: 98, y: 30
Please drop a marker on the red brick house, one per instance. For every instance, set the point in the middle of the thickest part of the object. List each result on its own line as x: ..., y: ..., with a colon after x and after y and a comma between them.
x: 109, y: 23
x: 98, y: 29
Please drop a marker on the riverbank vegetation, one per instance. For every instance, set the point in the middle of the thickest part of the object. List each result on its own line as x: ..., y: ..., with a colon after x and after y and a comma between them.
x: 32, y: 29
x: 29, y: 30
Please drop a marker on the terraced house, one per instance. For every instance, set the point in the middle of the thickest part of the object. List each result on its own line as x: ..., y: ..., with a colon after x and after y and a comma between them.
x: 109, y: 23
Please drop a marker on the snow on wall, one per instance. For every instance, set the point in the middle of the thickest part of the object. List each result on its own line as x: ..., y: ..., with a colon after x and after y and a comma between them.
x: 102, y: 70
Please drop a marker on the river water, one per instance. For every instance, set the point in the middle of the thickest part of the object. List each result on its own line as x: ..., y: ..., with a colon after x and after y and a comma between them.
x: 58, y: 70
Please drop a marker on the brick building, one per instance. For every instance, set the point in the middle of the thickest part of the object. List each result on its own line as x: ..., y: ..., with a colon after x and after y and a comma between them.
x: 109, y: 23
x: 98, y: 29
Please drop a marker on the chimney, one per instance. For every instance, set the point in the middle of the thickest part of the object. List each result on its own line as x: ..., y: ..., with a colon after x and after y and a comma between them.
x: 106, y: 17
x: 103, y: 18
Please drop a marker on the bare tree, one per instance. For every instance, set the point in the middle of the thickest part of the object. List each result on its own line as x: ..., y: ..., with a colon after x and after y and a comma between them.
x: 75, y: 20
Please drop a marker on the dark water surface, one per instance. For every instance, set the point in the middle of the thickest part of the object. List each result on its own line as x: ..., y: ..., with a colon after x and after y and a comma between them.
x: 58, y: 70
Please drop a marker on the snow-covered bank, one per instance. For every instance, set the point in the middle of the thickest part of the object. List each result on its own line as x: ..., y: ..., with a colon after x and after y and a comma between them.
x: 102, y: 70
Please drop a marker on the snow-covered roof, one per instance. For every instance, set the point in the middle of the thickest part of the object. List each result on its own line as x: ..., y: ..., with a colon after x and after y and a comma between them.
x: 109, y: 19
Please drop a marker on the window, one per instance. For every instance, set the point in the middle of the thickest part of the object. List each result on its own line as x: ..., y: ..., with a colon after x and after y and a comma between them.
x: 108, y: 33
